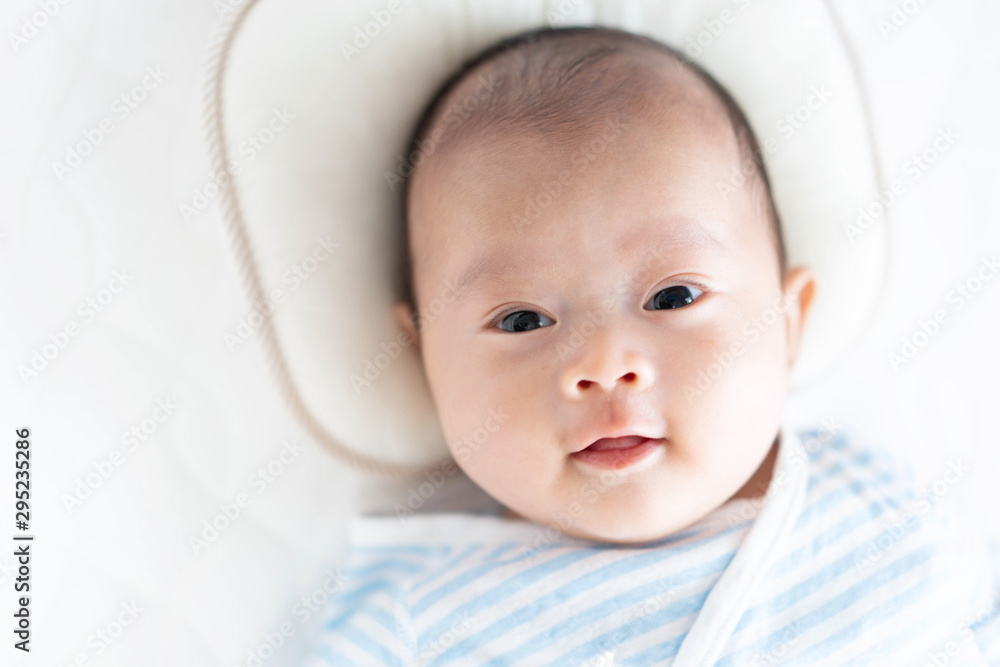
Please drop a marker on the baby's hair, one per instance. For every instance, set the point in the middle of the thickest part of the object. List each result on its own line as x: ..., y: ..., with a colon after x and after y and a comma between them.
x: 562, y: 82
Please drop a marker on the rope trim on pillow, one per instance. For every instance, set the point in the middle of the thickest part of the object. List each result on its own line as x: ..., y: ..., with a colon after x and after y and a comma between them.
x: 218, y: 155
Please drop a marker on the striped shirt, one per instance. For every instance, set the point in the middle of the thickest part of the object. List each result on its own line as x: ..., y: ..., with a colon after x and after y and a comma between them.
x: 843, y: 562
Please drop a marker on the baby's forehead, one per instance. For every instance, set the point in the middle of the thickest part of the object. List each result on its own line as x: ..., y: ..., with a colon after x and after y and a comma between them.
x: 562, y: 86
x: 565, y: 88
x: 527, y: 114
x: 527, y: 192
x: 640, y: 203
x: 670, y: 129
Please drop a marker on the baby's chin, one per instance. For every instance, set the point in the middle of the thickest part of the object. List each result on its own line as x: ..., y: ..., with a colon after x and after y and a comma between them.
x: 642, y: 507
x: 627, y: 531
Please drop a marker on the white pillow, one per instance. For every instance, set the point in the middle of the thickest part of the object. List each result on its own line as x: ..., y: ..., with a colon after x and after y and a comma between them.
x: 330, y: 92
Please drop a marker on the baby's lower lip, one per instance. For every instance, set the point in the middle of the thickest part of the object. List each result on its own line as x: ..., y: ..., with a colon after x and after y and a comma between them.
x: 617, y: 459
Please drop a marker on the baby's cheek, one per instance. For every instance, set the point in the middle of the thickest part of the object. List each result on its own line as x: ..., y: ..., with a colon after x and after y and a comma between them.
x: 734, y: 367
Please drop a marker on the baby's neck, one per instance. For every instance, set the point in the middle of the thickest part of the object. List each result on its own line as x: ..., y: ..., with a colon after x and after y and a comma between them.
x: 756, y: 486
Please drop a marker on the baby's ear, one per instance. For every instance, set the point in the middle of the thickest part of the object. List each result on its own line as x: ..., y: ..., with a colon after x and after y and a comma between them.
x: 405, y: 318
x: 800, y: 287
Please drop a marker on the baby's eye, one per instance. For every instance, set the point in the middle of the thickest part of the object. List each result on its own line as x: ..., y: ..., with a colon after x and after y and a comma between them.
x: 675, y: 296
x: 522, y: 320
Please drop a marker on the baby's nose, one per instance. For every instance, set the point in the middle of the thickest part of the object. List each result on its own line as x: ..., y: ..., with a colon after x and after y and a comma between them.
x: 609, y: 371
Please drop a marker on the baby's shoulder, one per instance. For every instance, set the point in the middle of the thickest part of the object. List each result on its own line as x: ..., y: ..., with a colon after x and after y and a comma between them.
x: 842, y: 461
x: 390, y: 567
x: 371, y: 603
x: 867, y: 499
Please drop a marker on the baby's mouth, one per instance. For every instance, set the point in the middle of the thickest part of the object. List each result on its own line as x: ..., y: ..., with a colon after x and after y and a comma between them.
x: 626, y: 442
x: 617, y: 453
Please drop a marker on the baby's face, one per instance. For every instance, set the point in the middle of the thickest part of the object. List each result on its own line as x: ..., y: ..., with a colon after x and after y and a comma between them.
x: 617, y: 291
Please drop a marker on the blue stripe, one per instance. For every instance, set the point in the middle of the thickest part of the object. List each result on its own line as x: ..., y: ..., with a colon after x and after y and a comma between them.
x: 875, y: 458
x: 825, y: 468
x: 834, y: 498
x: 667, y: 649
x: 856, y: 461
x: 566, y: 559
x: 331, y: 657
x: 807, y: 553
x: 884, y: 464
x: 837, y: 442
x: 444, y: 568
x: 823, y: 475
x: 872, y: 619
x: 404, y: 566
x: 802, y: 590
x: 382, y: 617
x: 381, y: 653
x: 496, y: 553
x: 834, y: 606
x: 993, y: 612
x: 360, y: 597
x: 591, y: 614
x: 431, y: 597
x: 612, y: 638
x: 826, y: 502
x: 988, y: 637
x: 510, y: 586
x: 908, y: 636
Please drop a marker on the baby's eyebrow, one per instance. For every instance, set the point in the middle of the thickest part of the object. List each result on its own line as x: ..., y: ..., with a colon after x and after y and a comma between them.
x: 492, y: 265
x: 673, y: 237
x: 663, y: 240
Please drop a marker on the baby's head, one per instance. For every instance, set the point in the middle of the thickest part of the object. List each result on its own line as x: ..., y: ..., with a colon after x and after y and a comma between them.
x: 580, y: 272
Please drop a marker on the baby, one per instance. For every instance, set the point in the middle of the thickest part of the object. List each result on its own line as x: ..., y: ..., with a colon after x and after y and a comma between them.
x: 618, y: 334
